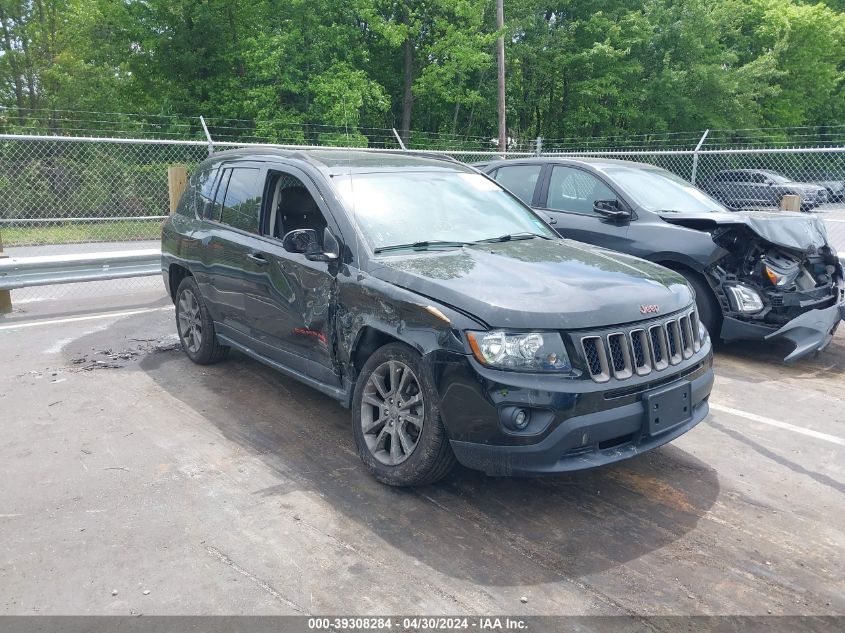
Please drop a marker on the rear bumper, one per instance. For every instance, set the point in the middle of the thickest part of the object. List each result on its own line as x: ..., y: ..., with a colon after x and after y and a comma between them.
x: 585, y: 441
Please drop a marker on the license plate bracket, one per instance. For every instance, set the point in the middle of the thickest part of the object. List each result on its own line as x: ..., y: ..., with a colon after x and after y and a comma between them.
x: 668, y: 406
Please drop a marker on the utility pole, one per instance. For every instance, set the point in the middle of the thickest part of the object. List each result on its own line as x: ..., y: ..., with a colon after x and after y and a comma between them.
x: 500, y: 51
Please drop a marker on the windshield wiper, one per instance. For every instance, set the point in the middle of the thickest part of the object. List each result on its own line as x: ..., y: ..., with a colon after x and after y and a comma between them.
x: 420, y: 246
x: 512, y: 236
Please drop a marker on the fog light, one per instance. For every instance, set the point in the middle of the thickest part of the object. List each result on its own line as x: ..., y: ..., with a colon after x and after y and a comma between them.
x: 520, y: 418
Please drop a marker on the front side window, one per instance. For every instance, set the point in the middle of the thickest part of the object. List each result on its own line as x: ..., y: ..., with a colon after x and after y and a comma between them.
x: 576, y: 191
x: 776, y: 177
x: 242, y: 201
x: 292, y: 207
x: 520, y: 179
x: 398, y: 208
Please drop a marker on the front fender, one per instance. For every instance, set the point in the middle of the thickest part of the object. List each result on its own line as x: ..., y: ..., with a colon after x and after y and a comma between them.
x: 365, y: 302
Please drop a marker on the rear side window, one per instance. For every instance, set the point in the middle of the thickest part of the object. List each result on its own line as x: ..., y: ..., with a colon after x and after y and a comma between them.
x: 204, y: 196
x: 242, y: 200
x: 520, y: 179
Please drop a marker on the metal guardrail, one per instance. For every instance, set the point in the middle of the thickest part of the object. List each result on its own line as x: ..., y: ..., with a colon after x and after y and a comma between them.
x: 25, y: 272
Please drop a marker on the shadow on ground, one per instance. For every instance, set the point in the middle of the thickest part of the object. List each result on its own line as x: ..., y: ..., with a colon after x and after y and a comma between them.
x: 490, y: 530
x: 766, y: 360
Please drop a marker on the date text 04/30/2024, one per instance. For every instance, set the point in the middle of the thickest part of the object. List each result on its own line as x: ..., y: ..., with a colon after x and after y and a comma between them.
x: 417, y: 623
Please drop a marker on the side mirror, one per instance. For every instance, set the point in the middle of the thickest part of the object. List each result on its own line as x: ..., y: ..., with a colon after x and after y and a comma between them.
x: 299, y: 241
x: 305, y: 241
x: 611, y: 209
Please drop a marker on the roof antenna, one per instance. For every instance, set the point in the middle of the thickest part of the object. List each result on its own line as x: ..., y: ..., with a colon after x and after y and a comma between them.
x: 399, y: 138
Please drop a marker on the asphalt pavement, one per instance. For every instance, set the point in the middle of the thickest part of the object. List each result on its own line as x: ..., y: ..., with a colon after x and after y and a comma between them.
x: 136, y: 482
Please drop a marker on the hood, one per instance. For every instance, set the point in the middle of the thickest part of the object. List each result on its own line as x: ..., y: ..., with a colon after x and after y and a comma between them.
x: 541, y: 284
x: 802, y: 232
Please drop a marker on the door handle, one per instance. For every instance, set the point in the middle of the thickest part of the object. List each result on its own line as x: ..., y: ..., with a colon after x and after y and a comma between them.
x: 258, y: 258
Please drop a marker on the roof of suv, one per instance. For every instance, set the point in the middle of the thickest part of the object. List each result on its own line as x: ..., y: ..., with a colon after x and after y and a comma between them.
x: 595, y: 161
x: 344, y: 161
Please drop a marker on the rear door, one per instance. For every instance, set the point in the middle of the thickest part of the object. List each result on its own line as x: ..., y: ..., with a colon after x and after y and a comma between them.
x: 569, y: 198
x: 233, y: 272
x: 521, y: 180
x: 758, y: 188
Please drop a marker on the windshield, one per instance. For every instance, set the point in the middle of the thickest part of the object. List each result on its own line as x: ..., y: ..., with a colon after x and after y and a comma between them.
x: 776, y: 177
x: 412, y: 207
x: 656, y: 189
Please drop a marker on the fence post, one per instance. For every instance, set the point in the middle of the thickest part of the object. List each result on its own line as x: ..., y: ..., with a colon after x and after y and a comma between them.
x: 177, y: 180
x: 5, y: 295
x: 695, y: 156
x: 538, y: 148
x: 399, y: 140
x: 207, y: 135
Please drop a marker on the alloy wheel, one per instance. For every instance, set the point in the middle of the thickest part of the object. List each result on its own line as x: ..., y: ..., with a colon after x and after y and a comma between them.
x: 392, y: 412
x: 190, y: 322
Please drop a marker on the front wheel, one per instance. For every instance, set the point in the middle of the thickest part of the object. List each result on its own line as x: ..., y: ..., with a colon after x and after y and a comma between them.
x: 709, y: 311
x: 396, y: 419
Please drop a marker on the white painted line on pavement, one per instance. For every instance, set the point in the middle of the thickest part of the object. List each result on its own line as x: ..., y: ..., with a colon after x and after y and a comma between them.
x: 781, y: 425
x: 90, y: 317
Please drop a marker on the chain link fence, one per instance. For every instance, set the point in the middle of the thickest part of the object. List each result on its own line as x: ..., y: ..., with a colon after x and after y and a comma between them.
x: 63, y: 194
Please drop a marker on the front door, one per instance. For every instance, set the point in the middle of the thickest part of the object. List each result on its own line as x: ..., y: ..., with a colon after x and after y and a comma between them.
x: 289, y: 315
x: 570, y: 197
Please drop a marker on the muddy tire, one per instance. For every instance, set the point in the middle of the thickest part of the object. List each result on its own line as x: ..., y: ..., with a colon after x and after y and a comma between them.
x: 396, y: 419
x: 195, y: 327
x: 709, y: 311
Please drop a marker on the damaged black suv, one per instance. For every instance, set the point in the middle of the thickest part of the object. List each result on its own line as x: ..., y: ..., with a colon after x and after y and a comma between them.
x: 757, y: 275
x: 446, y: 314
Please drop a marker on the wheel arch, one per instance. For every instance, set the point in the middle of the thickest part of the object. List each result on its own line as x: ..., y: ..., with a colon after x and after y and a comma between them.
x: 175, y: 274
x: 369, y: 338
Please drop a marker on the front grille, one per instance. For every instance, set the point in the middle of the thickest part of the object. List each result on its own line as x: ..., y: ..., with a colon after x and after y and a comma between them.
x: 594, y: 351
x: 620, y: 355
x: 642, y: 350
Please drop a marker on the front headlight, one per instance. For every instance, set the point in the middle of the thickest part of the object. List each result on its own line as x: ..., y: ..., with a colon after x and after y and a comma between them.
x: 745, y: 299
x: 526, y: 351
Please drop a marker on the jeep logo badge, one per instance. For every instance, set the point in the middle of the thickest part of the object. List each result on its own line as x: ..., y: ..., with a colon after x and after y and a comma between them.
x: 652, y: 309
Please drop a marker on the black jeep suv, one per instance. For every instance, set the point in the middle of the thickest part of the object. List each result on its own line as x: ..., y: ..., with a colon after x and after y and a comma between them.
x: 449, y: 316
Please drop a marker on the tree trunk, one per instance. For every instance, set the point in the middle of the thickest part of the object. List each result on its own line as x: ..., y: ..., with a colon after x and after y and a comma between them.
x: 500, y: 50
x: 13, y: 66
x: 407, y: 93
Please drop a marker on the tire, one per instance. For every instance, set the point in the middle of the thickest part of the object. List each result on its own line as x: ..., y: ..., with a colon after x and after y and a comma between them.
x: 394, y: 448
x: 195, y: 327
x: 709, y: 311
